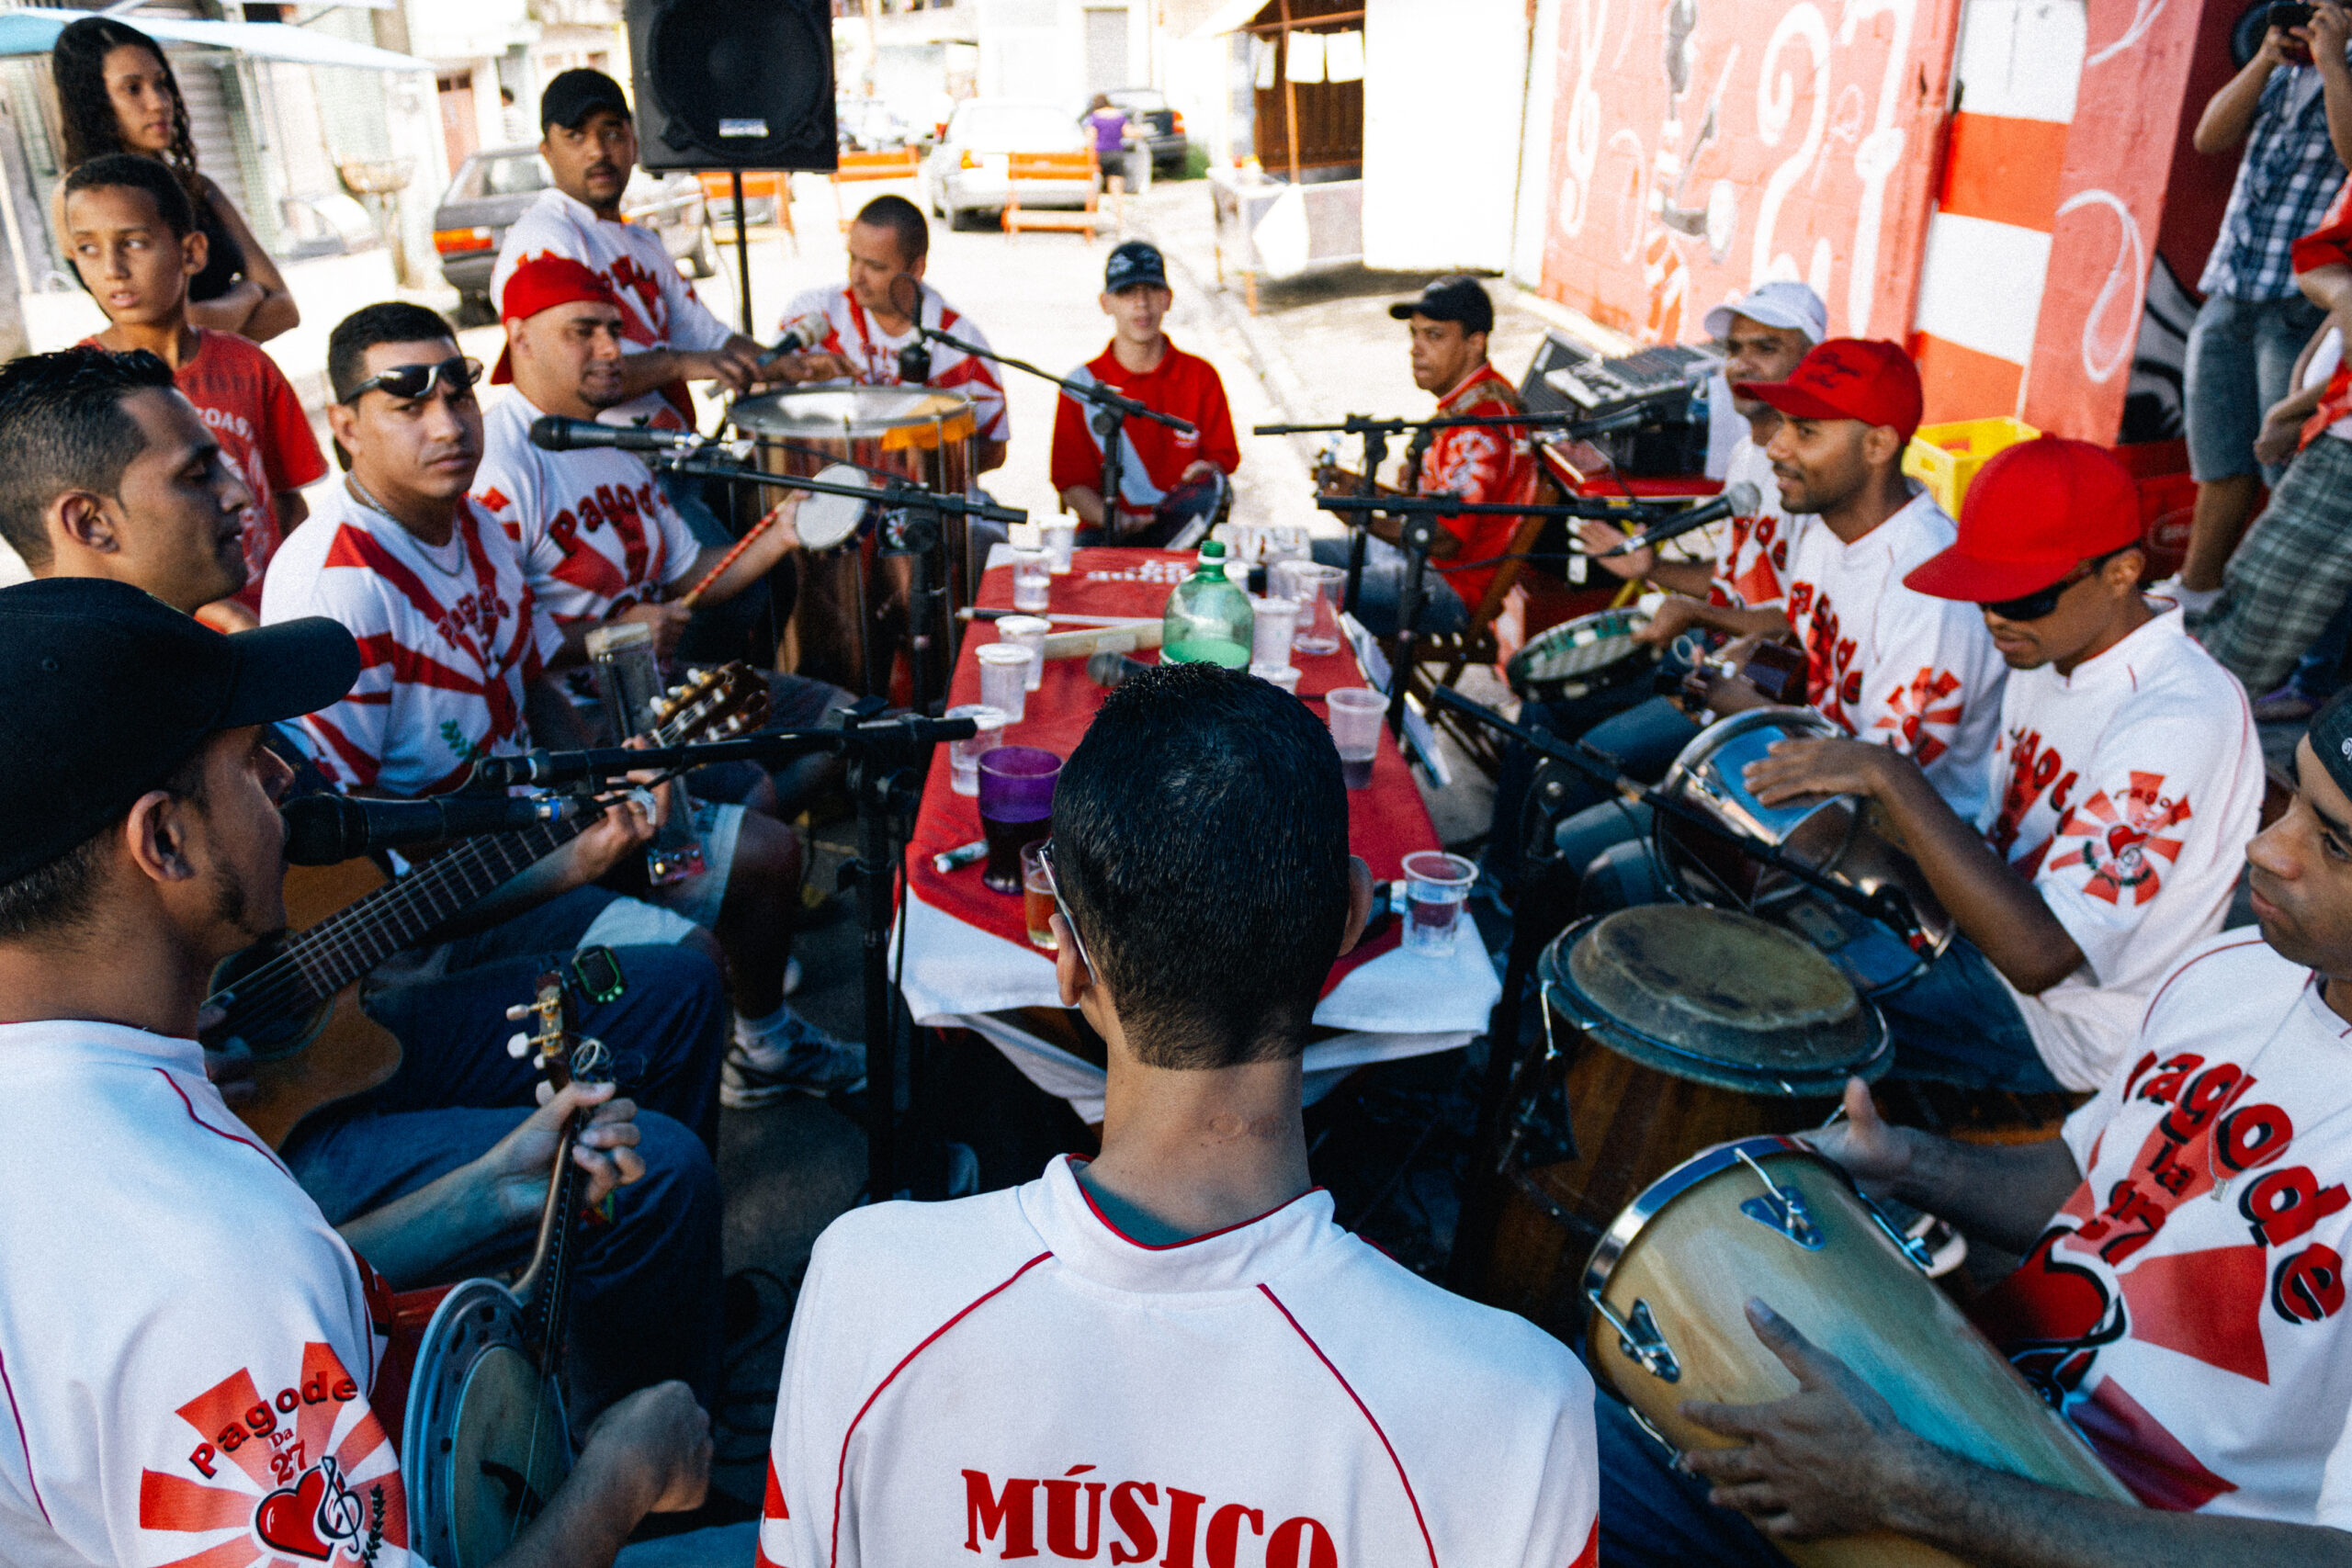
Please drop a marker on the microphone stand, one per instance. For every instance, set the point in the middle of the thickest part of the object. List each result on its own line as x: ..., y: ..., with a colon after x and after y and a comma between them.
x: 887, y: 756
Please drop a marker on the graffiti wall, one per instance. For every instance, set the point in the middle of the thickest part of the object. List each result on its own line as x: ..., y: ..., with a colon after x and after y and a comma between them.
x: 1704, y: 145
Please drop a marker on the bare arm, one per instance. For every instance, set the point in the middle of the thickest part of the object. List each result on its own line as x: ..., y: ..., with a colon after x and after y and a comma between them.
x: 649, y: 1454
x: 1993, y: 906
x: 991, y: 455
x: 2228, y: 114
x: 759, y: 558
x: 735, y: 366
x: 2325, y: 286
x: 2329, y: 30
x: 260, y: 307
x: 1694, y: 578
x: 1086, y: 503
x: 2004, y: 1193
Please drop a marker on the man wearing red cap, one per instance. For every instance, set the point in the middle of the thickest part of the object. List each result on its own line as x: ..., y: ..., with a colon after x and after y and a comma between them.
x: 2124, y: 784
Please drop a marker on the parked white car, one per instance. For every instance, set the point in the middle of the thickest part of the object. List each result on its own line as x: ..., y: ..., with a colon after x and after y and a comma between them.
x: 966, y: 172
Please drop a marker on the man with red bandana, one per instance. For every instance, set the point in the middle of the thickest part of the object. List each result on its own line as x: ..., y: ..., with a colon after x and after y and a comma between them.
x: 2179, y: 1303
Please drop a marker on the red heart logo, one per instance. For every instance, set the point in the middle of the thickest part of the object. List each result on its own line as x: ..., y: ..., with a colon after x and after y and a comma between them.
x: 288, y: 1518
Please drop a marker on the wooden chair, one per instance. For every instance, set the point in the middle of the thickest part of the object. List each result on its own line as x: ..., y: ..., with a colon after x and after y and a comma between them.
x: 1058, y: 168
x: 856, y: 168
x: 1453, y: 652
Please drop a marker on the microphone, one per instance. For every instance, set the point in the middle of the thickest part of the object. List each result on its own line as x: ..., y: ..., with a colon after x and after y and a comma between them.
x: 800, y: 334
x: 326, y: 830
x: 554, y: 432
x: 914, y: 360
x: 1738, y: 501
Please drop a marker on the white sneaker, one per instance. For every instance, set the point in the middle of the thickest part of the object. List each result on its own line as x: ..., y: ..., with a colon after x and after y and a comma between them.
x: 798, y: 1058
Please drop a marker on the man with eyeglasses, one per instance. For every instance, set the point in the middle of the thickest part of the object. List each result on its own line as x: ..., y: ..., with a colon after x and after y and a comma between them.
x: 2123, y: 787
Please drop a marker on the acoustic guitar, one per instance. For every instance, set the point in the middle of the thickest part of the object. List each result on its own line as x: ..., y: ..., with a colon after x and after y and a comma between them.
x: 293, y: 999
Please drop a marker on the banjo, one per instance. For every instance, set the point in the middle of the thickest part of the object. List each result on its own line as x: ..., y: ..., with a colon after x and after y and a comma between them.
x: 485, y: 1440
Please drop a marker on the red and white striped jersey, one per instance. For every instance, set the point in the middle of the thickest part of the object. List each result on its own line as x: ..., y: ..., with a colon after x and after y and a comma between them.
x: 872, y: 354
x: 449, y: 637
x: 1009, y: 1376
x: 1888, y: 663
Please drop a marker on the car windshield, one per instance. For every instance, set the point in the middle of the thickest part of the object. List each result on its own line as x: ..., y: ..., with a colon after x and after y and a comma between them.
x: 1011, y: 127
x: 515, y: 176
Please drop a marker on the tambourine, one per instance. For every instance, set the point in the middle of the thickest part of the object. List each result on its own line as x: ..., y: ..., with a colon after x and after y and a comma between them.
x: 824, y: 520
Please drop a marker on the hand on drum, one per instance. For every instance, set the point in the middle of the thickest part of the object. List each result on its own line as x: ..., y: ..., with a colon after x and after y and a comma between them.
x: 1598, y: 537
x: 1821, y: 1462
x: 737, y: 369
x: 668, y: 621
x: 818, y: 367
x: 1796, y: 768
x: 1876, y: 1155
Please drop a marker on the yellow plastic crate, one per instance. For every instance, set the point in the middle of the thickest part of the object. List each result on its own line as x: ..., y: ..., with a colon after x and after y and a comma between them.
x: 1945, y: 457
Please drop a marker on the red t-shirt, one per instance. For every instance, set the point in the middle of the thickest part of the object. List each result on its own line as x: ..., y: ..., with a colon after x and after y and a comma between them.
x: 1184, y: 385
x: 252, y: 411
x: 1479, y: 463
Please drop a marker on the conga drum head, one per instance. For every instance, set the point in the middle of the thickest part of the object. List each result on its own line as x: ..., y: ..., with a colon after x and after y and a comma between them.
x: 855, y: 410
x: 1717, y: 996
x: 828, y: 520
x: 1589, y: 651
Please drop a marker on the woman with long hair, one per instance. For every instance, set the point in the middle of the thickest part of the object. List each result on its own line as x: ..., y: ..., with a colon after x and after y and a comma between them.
x: 116, y: 93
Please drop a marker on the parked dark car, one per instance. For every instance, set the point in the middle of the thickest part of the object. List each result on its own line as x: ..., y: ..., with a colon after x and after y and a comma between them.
x: 494, y: 186
x: 1149, y: 106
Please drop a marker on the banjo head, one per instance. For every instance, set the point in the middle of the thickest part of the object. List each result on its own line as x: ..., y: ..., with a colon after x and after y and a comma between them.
x: 825, y: 521
x: 486, y: 1442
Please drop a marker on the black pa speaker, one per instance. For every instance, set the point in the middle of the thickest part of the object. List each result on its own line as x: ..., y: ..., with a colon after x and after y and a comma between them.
x: 733, y: 83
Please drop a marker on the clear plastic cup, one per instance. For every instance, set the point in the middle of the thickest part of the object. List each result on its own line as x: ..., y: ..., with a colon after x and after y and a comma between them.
x: 1356, y: 715
x: 1287, y: 541
x: 1316, y: 589
x: 1033, y: 576
x: 1270, y: 630
x: 1437, y: 886
x: 1037, y: 895
x: 1283, y: 676
x: 964, y: 756
x: 1061, y: 538
x: 1029, y: 632
x: 1004, y: 679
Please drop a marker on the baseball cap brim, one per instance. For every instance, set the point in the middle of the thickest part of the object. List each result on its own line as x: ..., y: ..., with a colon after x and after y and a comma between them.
x: 1954, y: 573
x: 1795, y: 402
x: 1717, y: 321
x: 288, y: 669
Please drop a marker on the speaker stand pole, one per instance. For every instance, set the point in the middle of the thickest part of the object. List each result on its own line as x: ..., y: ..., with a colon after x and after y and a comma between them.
x: 742, y: 261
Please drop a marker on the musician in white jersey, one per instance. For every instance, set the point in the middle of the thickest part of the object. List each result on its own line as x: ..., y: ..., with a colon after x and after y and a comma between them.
x: 189, y: 1354
x: 2126, y: 780
x: 868, y: 327
x: 2180, y: 1301
x: 1170, y: 1353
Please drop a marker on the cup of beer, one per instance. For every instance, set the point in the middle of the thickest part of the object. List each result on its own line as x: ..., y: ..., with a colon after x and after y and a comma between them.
x: 1037, y: 894
x: 1016, y: 808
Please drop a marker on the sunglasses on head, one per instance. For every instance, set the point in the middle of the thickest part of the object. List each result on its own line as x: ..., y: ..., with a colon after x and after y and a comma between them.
x: 2033, y: 606
x: 409, y: 382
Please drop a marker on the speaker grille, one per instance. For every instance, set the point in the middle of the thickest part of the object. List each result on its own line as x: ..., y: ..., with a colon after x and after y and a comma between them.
x: 750, y: 83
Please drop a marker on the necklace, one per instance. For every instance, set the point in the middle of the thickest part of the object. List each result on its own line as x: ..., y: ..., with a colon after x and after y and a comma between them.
x: 456, y: 546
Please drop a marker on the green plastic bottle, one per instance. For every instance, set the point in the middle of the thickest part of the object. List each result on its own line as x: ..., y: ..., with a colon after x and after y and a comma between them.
x: 1208, y: 618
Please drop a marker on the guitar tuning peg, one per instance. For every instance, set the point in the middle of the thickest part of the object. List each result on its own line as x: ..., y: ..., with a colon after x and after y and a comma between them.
x: 518, y: 1047
x: 518, y: 1013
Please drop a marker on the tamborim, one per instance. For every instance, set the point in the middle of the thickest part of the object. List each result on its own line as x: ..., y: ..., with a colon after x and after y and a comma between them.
x: 1591, y: 653
x: 1837, y: 837
x: 1768, y: 1219
x: 1697, y: 1025
x: 827, y: 520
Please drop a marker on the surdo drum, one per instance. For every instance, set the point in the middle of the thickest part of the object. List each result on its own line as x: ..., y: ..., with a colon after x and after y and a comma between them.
x: 850, y: 615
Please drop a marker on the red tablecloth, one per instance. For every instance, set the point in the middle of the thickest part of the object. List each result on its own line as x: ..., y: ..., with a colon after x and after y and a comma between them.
x: 1385, y: 820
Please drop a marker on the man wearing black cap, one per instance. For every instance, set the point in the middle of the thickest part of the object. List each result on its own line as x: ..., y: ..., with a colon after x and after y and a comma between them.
x: 1476, y: 463
x: 2178, y: 1302
x: 590, y: 143
x: 1169, y: 479
x: 186, y: 1347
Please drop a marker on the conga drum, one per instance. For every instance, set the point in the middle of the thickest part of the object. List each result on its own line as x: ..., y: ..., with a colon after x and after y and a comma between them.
x: 1768, y: 1219
x: 848, y: 616
x: 1694, y: 1025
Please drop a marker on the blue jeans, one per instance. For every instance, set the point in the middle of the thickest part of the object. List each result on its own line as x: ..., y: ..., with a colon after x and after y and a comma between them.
x: 1957, y: 1024
x: 1652, y: 1512
x: 1605, y: 720
x: 2241, y: 356
x: 1383, y: 590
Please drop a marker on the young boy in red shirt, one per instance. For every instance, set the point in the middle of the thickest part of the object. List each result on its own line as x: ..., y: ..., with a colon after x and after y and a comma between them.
x: 1169, y: 482
x: 134, y: 241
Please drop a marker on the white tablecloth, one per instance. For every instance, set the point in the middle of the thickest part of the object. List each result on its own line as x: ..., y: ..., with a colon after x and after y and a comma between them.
x: 1400, y: 1004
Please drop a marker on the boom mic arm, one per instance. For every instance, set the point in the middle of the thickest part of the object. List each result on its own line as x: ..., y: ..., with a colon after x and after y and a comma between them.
x: 326, y: 830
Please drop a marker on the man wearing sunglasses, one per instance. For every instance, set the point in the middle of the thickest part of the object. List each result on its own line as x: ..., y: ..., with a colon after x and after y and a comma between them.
x: 2125, y: 783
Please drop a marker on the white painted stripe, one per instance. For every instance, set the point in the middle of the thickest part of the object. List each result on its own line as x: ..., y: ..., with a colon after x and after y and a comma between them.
x: 1980, y: 285
x: 2022, y: 57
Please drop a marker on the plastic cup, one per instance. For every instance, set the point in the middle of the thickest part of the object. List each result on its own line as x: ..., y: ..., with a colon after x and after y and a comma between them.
x: 1316, y: 590
x: 1037, y: 895
x: 1437, y: 886
x: 1029, y: 632
x: 1061, y: 538
x: 1004, y: 679
x: 1356, y: 715
x: 1016, y: 808
x: 964, y: 756
x: 1270, y: 630
x: 1033, y: 576
x: 1283, y: 676
x: 1287, y: 541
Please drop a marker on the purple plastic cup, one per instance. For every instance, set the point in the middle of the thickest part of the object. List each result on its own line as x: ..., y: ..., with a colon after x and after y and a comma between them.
x: 1016, y: 808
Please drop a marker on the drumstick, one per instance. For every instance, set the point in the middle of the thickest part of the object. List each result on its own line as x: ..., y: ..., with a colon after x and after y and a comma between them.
x: 971, y: 612
x: 694, y: 594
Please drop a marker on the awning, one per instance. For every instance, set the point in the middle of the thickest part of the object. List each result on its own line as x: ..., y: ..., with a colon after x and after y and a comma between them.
x: 34, y: 31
